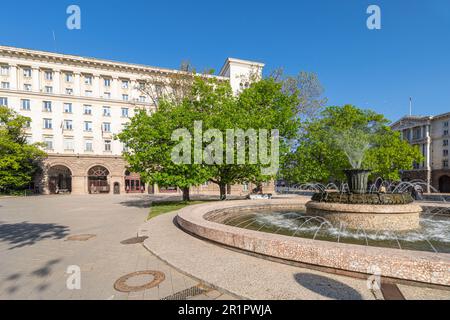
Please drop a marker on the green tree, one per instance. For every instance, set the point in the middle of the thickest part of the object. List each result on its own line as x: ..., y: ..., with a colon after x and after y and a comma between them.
x: 345, y: 137
x: 148, y: 137
x: 19, y: 161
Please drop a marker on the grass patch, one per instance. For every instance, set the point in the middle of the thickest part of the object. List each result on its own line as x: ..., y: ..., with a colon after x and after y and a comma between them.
x: 159, y: 208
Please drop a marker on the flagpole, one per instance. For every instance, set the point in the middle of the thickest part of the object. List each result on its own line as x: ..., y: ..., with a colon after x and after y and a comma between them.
x: 410, y: 106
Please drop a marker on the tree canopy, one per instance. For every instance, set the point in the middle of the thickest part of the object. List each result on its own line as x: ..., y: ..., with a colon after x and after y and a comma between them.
x: 19, y: 161
x: 264, y: 105
x: 345, y: 137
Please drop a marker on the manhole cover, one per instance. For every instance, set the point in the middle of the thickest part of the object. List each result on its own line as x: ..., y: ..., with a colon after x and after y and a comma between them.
x: 122, y: 285
x: 81, y: 237
x: 135, y: 240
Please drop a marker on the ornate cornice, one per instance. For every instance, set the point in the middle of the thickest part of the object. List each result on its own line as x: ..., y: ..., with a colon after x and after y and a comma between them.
x: 78, y: 61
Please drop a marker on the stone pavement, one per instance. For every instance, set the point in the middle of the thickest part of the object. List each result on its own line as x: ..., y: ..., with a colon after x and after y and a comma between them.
x: 36, y: 249
x: 254, y: 278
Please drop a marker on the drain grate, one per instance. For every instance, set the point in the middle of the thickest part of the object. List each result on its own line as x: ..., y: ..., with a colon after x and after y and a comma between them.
x: 135, y: 240
x: 391, y: 292
x: 187, y: 293
x: 122, y: 286
x: 81, y: 237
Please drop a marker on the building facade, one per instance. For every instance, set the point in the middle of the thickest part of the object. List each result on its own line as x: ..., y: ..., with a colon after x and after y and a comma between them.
x: 78, y: 104
x: 431, y: 135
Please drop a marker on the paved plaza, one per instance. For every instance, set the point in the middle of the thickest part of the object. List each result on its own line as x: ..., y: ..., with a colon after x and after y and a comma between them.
x: 40, y: 237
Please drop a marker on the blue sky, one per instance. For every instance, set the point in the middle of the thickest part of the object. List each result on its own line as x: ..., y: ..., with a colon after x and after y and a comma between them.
x: 377, y: 69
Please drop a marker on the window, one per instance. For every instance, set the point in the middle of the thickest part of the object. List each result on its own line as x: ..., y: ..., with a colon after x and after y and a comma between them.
x: 25, y: 104
x: 125, y: 84
x: 88, y: 126
x: 446, y: 124
x: 68, y: 76
x: 107, y: 95
x: 68, y: 125
x: 48, y: 124
x: 445, y: 152
x: 3, y: 101
x: 29, y: 139
x: 48, y: 89
x: 108, y: 145
x: 445, y: 132
x: 48, y: 143
x: 27, y: 87
x: 245, y: 187
x: 107, y: 82
x: 88, y: 93
x: 142, y: 99
x: 141, y: 85
x: 5, y: 85
x: 88, y: 146
x: 27, y: 124
x: 106, y: 127
x: 106, y: 111
x: 87, y: 109
x: 416, y: 133
x: 68, y: 144
x: 88, y: 80
x: 67, y: 108
x: 4, y: 70
x: 125, y: 112
x: 48, y: 75
x: 125, y: 97
x: 69, y: 91
x: 445, y: 163
x: 27, y: 72
x: 47, y: 106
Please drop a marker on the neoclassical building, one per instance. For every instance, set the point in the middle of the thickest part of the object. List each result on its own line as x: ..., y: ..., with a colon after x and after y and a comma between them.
x: 78, y: 104
x: 431, y: 134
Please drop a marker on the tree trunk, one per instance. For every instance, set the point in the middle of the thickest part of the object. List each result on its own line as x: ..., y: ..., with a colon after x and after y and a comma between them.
x: 186, y: 196
x: 223, y: 191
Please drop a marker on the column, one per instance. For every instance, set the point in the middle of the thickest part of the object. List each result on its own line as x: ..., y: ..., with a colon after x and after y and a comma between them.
x: 57, y: 81
x: 115, y: 89
x: 76, y: 84
x: 13, y: 77
x: 36, y: 80
x: 428, y: 157
x: 96, y: 86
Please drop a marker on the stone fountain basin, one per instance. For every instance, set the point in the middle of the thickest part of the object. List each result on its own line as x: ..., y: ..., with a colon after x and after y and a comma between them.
x: 368, y: 217
x: 424, y: 267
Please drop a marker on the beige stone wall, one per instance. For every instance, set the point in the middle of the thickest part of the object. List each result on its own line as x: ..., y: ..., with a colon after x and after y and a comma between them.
x: 79, y: 166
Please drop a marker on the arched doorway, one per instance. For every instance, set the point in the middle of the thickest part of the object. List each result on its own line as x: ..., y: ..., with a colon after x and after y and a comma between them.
x: 444, y: 184
x: 98, y: 180
x: 59, y: 180
x: 116, y: 188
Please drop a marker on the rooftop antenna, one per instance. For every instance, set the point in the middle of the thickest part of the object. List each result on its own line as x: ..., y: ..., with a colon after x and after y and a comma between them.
x: 54, y: 39
x: 410, y: 106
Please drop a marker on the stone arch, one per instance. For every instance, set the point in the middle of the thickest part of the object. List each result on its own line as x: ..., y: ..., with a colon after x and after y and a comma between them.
x: 59, y: 178
x: 444, y: 184
x: 98, y: 179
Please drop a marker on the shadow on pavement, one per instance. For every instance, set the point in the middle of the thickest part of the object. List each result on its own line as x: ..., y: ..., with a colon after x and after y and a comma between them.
x: 327, y: 287
x: 25, y: 234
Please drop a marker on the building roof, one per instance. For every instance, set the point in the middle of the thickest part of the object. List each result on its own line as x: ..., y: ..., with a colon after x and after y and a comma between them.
x: 88, y: 61
x: 419, y: 118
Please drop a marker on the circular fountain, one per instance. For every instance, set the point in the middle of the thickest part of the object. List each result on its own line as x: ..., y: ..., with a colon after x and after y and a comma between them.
x: 359, y: 209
